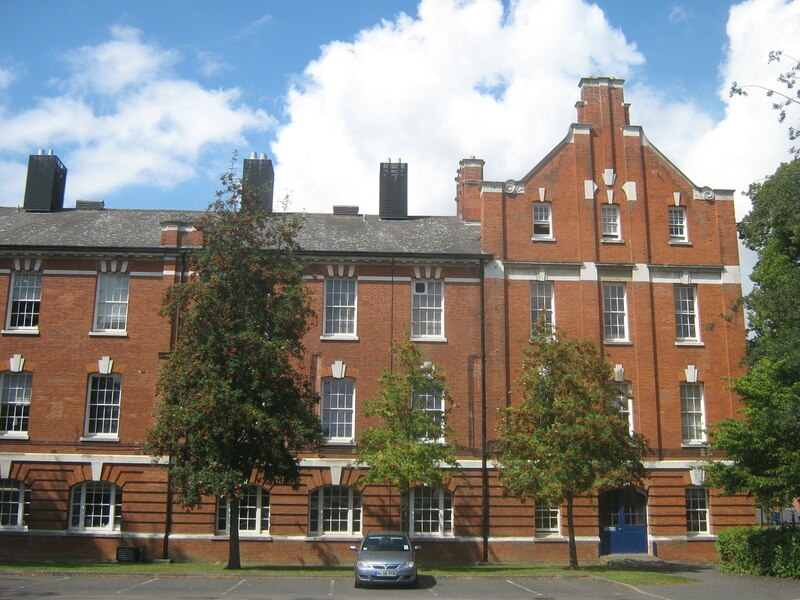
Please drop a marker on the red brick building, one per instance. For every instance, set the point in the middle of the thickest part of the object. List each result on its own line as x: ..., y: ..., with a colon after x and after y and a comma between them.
x: 605, y: 236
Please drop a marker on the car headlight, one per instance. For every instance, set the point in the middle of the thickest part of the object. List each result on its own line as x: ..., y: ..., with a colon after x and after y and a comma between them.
x: 362, y: 565
x: 409, y: 564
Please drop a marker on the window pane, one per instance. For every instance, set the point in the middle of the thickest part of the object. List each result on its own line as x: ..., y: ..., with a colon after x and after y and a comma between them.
x: 432, y: 404
x: 14, y: 503
x: 96, y: 505
x: 541, y: 220
x: 692, y: 412
x: 677, y: 223
x: 335, y: 509
x: 112, y: 302
x: 622, y: 391
x: 685, y: 313
x: 253, y: 511
x: 546, y: 518
x: 542, y: 304
x: 16, y: 401
x: 610, y: 218
x: 427, y: 309
x: 428, y: 510
x: 338, y: 408
x: 696, y: 510
x: 26, y: 296
x: 104, y: 399
x: 614, y: 311
x: 340, y: 306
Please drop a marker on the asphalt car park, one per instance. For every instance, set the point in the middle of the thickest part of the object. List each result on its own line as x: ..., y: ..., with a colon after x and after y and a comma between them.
x: 711, y: 585
x: 173, y: 588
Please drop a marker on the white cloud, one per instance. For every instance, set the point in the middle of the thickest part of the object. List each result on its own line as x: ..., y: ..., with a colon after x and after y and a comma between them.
x: 7, y: 77
x: 462, y: 78
x: 124, y: 119
x: 678, y: 14
x: 112, y: 66
x: 210, y: 64
x: 251, y: 29
x: 748, y: 143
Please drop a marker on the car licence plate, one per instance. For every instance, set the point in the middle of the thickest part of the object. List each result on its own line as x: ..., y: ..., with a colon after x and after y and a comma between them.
x: 385, y: 573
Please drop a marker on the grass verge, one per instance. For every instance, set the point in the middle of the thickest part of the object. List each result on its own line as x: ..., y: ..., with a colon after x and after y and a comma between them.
x: 633, y: 576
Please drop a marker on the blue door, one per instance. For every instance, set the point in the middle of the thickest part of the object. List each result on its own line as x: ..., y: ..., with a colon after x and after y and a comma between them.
x: 623, y: 522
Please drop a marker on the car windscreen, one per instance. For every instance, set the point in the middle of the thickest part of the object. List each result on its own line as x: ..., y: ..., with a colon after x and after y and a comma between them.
x: 386, y: 543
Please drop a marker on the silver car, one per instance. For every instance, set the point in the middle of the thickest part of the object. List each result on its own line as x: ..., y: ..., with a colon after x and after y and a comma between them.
x: 386, y: 557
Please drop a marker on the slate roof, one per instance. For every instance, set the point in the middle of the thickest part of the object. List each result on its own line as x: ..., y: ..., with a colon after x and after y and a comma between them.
x: 132, y: 229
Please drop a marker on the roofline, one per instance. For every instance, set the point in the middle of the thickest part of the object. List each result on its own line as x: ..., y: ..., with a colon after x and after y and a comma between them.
x: 175, y: 250
x: 403, y: 255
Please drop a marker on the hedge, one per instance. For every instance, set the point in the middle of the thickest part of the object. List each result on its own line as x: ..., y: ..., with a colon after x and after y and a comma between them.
x: 773, y: 551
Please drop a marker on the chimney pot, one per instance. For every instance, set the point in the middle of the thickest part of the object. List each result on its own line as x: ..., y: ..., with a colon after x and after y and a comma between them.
x: 46, y: 182
x: 393, y: 198
x: 259, y: 178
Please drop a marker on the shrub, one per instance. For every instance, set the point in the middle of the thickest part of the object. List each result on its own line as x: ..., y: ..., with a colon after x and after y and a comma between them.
x: 772, y: 551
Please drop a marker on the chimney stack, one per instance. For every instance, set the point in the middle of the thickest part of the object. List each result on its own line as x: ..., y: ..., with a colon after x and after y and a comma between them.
x: 258, y: 180
x: 47, y: 179
x: 393, y: 190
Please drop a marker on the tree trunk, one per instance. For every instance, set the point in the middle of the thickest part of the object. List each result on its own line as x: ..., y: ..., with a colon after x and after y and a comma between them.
x: 233, y: 534
x: 573, y: 550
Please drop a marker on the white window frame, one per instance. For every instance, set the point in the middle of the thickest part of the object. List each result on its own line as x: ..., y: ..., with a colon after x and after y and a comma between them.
x: 610, y: 222
x: 622, y: 392
x: 83, y: 508
x: 428, y: 512
x: 329, y: 504
x: 102, y: 412
x: 15, y: 502
x: 253, y: 512
x: 544, y: 517
x: 687, y: 319
x: 676, y: 216
x: 615, y: 317
x: 338, y: 409
x: 26, y: 291
x: 433, y: 404
x: 542, y: 216
x: 697, y: 521
x: 427, y: 309
x: 341, y: 308
x: 693, y: 414
x: 542, y: 296
x: 111, y: 303
x: 15, y: 403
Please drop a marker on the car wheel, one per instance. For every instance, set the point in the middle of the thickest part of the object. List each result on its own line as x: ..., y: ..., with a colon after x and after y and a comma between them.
x: 356, y: 582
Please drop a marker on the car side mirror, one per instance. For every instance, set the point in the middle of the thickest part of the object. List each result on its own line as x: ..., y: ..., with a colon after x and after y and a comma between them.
x: 417, y: 548
x: 353, y: 548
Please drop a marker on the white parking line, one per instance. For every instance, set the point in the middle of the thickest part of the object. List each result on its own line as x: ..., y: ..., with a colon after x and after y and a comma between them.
x: 230, y: 589
x: 535, y: 593
x: 137, y: 585
x: 330, y: 589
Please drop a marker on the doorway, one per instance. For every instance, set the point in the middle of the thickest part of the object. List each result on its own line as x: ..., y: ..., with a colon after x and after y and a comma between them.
x: 623, y: 522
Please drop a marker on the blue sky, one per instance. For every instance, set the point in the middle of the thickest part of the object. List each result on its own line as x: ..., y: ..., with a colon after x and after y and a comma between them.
x: 146, y: 101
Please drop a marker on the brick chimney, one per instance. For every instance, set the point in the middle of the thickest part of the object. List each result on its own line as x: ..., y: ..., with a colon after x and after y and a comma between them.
x: 468, y: 188
x: 602, y: 102
x: 258, y: 179
x: 47, y: 180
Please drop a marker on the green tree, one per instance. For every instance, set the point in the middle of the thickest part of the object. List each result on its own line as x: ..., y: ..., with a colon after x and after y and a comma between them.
x: 566, y: 437
x: 413, y: 442
x: 232, y: 405
x: 763, y: 445
x: 781, y: 101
